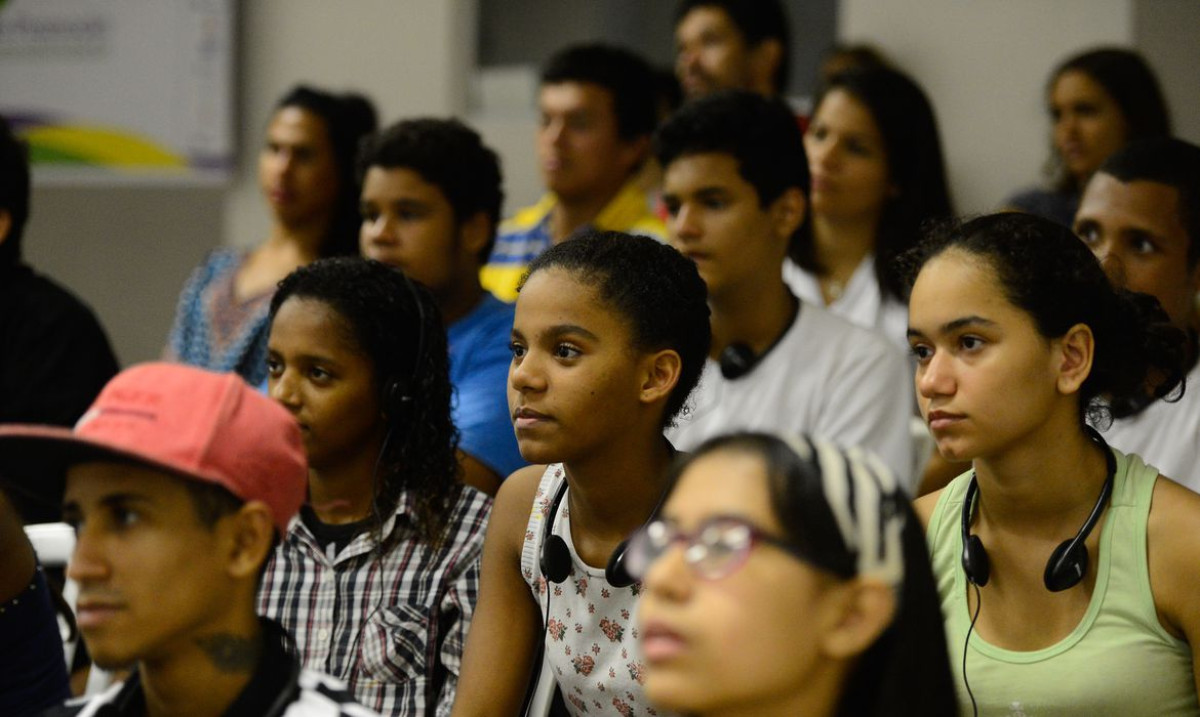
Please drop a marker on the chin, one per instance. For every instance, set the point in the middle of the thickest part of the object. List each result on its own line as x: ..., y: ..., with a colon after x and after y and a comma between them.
x: 110, y: 657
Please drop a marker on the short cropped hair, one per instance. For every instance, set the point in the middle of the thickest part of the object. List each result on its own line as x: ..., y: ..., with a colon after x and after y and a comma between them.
x: 1168, y: 161
x: 449, y: 155
x: 626, y: 76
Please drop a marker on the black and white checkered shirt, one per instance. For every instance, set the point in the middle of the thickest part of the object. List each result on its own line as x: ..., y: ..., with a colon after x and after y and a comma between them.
x: 391, y: 625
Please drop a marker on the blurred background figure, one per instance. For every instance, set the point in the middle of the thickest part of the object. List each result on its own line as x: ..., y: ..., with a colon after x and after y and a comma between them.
x: 306, y: 173
x: 841, y: 57
x: 1098, y: 100
x: 878, y: 173
x: 731, y: 45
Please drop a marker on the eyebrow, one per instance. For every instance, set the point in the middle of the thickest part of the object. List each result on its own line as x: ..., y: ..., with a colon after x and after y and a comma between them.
x: 560, y: 330
x: 71, y: 510
x: 955, y: 325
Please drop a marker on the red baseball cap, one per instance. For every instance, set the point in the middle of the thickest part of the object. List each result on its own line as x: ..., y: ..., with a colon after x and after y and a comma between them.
x: 189, y: 422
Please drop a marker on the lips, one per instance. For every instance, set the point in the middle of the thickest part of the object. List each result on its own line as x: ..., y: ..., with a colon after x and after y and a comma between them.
x: 525, y: 418
x: 660, y: 643
x: 941, y: 420
x: 91, y: 614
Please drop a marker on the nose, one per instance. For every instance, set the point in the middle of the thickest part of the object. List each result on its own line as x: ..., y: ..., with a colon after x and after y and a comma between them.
x: 376, y: 229
x: 284, y: 390
x: 685, y: 225
x: 669, y: 577
x: 1111, y: 262
x: 935, y: 377
x: 524, y: 375
x: 87, y: 563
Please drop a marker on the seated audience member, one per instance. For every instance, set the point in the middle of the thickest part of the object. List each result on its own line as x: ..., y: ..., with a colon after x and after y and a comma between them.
x: 1140, y: 216
x: 1082, y: 558
x: 306, y: 174
x: 431, y: 198
x: 598, y: 108
x: 33, y: 675
x: 608, y: 340
x: 735, y: 186
x: 801, y: 586
x: 178, y: 482
x: 376, y: 578
x: 877, y: 174
x: 731, y: 45
x: 54, y: 356
x: 843, y: 57
x: 1098, y: 100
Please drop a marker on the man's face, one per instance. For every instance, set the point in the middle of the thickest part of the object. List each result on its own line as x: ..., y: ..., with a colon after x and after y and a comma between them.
x: 1135, y: 230
x: 580, y: 152
x: 408, y: 223
x: 150, y: 574
x: 716, y: 220
x: 710, y: 53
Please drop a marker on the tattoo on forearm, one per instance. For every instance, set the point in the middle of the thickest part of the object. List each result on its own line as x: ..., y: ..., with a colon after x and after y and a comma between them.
x: 231, y: 653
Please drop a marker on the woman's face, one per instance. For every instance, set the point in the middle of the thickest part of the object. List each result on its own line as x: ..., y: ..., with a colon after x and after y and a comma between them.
x: 297, y: 169
x: 847, y: 159
x: 986, y: 378
x: 575, y: 376
x: 1088, y: 124
x: 748, y: 641
x: 317, y: 371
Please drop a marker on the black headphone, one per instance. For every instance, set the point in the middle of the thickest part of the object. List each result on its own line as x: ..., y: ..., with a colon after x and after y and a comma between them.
x: 738, y: 359
x: 555, y: 558
x: 1069, y: 561
x: 397, y: 391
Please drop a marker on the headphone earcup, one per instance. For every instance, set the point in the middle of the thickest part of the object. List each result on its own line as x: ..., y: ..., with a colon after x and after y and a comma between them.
x: 555, y: 560
x: 615, y: 572
x: 975, y: 561
x: 736, y: 361
x: 1066, y: 567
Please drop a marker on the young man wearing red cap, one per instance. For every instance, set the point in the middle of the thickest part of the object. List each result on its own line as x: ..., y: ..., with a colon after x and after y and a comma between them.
x: 178, y: 483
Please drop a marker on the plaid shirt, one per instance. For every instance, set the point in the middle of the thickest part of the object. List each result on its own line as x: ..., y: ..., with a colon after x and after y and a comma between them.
x: 391, y: 626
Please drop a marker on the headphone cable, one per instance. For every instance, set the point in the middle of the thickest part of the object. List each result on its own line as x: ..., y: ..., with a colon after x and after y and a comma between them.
x: 966, y: 644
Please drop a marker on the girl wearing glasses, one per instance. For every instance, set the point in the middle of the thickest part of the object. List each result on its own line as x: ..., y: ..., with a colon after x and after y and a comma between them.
x: 1066, y: 570
x: 800, y: 586
x: 610, y: 336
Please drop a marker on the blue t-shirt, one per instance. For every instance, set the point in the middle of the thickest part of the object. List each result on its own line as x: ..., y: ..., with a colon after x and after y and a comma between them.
x: 479, y: 359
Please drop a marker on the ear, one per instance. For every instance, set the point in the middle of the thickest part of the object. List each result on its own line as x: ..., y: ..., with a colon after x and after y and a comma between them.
x: 864, y: 608
x: 5, y: 224
x: 787, y: 212
x: 765, y: 59
x: 250, y: 533
x: 1075, y: 351
x: 474, y: 232
x: 659, y: 375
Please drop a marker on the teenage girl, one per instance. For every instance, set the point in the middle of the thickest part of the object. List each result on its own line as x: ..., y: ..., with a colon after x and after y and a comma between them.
x: 610, y: 336
x: 1077, y: 588
x: 877, y: 174
x: 849, y: 624
x: 306, y: 174
x: 376, y: 579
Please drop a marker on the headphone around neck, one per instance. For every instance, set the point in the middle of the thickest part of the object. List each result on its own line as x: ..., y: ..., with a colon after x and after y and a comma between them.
x: 1069, y: 561
x: 738, y: 358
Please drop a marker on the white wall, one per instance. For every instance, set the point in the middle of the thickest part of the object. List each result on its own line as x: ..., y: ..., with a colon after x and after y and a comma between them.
x: 984, y: 64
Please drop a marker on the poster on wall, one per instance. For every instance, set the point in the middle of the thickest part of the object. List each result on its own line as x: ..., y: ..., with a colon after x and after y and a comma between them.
x: 119, y: 91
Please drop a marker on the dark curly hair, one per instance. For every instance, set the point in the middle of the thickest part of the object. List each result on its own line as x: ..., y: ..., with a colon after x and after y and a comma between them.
x: 1128, y: 79
x: 396, y: 324
x: 347, y: 118
x: 447, y: 154
x: 759, y: 132
x: 915, y: 166
x: 1052, y: 276
x: 756, y: 20
x: 655, y: 288
x: 625, y: 75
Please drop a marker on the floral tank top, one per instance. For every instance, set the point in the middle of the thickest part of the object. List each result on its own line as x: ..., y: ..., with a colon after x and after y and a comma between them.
x: 591, y: 633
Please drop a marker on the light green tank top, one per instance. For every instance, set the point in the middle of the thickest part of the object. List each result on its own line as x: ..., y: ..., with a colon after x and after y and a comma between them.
x: 1118, y: 661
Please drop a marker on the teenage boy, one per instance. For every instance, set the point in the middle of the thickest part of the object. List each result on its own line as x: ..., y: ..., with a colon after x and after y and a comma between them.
x: 731, y: 44
x: 598, y: 108
x: 431, y: 196
x: 178, y: 483
x: 1140, y: 215
x: 735, y: 187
